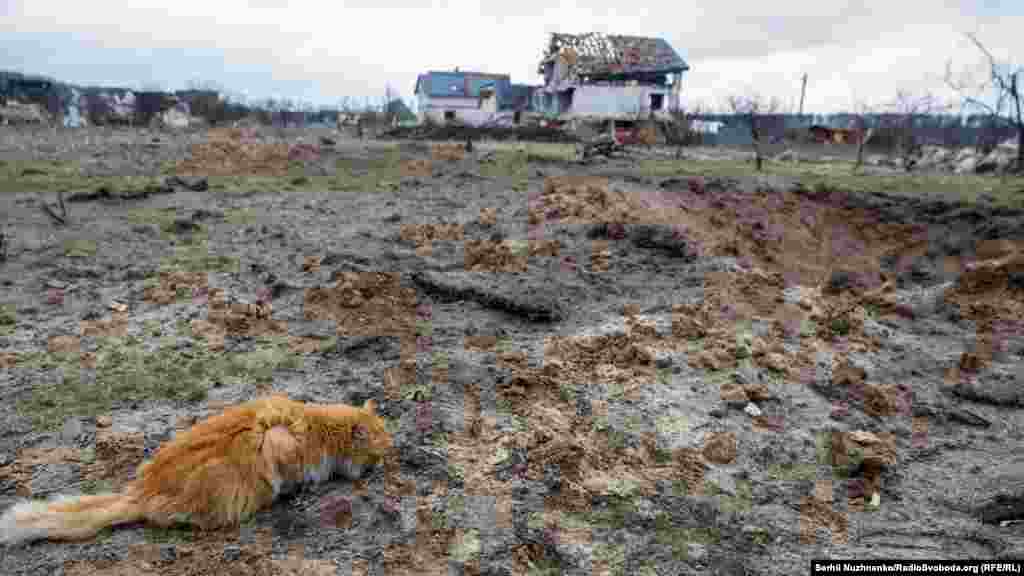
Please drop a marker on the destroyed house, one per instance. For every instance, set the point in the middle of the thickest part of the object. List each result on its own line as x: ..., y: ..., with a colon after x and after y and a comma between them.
x: 609, y: 77
x: 472, y: 98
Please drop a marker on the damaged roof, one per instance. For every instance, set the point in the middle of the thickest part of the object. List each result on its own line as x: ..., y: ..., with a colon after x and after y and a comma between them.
x: 601, y: 55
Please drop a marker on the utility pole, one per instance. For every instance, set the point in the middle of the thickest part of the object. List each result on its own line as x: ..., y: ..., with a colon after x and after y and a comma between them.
x: 803, y: 90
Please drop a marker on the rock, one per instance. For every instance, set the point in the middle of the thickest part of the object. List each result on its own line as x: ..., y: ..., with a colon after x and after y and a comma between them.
x: 986, y: 165
x: 879, y: 449
x: 839, y: 280
x: 720, y: 447
x: 787, y: 156
x: 668, y: 240
x: 843, y: 378
x: 707, y: 360
x: 1001, y: 495
x: 967, y: 418
x: 232, y: 552
x: 71, y: 430
x: 184, y: 225
x: 932, y: 155
x: 876, y: 160
x: 1008, y: 392
x: 743, y: 376
x: 146, y: 229
x: 971, y: 362
x: 967, y: 165
x: 197, y: 185
x: 168, y: 553
x: 752, y: 410
x: 104, y: 421
x: 758, y: 392
x: 733, y: 395
x: 881, y: 400
x: 663, y: 360
x: 184, y: 422
x: 776, y: 362
x: 696, y: 553
x: 963, y: 154
x: 840, y: 410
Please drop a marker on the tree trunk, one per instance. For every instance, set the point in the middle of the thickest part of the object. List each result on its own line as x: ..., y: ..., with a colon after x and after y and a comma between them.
x: 1015, y: 94
x: 866, y: 136
x: 756, y: 136
x: 1020, y: 148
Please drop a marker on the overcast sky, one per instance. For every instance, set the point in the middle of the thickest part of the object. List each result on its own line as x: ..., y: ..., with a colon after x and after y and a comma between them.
x: 852, y: 51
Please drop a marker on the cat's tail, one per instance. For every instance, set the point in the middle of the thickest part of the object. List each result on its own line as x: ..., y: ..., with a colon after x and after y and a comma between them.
x: 67, y: 517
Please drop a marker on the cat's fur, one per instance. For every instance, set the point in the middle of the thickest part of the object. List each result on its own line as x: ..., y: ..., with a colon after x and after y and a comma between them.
x: 219, y: 472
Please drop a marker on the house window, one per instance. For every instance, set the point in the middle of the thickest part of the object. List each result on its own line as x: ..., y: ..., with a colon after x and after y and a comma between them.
x: 657, y: 101
x: 449, y: 115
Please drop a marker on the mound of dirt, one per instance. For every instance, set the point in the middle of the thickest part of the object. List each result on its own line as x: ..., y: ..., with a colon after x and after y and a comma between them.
x: 370, y: 304
x: 235, y: 318
x: 424, y: 235
x: 172, y: 285
x: 238, y: 151
x: 989, y: 291
x: 417, y: 167
x: 447, y: 152
x: 507, y: 255
x: 582, y: 199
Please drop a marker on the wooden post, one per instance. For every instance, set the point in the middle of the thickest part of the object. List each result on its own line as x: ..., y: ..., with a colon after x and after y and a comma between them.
x: 803, y: 90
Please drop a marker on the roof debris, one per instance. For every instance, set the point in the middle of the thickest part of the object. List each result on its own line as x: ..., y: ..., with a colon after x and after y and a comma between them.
x: 596, y: 54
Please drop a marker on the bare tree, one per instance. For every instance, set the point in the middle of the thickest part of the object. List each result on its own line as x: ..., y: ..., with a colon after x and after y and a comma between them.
x: 152, y: 86
x: 678, y: 130
x: 204, y: 85
x: 753, y: 107
x: 236, y: 97
x: 864, y: 132
x: 389, y: 96
x: 1004, y: 82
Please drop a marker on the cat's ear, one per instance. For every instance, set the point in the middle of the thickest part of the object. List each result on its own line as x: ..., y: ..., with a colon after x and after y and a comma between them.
x: 370, y: 406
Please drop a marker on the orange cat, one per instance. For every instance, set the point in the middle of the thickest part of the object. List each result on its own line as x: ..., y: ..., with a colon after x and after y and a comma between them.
x: 221, y: 471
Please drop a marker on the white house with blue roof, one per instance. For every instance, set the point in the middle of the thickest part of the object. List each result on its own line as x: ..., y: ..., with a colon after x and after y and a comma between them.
x: 472, y: 98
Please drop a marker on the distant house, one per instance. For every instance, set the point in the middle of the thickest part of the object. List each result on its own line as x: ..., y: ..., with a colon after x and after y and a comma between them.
x: 609, y: 77
x: 833, y: 135
x: 473, y: 98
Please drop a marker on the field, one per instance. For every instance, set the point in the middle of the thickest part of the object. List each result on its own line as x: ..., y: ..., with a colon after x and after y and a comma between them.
x: 637, y: 365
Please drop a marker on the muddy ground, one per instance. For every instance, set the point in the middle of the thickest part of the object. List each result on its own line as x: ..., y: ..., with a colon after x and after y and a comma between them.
x: 624, y: 367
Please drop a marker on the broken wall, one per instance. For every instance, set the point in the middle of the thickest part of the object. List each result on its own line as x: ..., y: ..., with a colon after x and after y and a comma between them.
x: 467, y: 110
x: 619, y: 102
